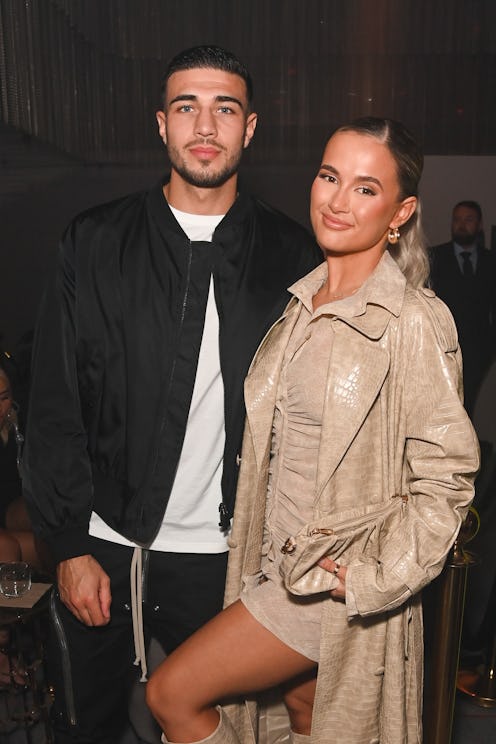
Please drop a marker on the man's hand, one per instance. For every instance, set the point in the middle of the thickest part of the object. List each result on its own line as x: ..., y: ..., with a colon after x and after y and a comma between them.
x: 84, y: 588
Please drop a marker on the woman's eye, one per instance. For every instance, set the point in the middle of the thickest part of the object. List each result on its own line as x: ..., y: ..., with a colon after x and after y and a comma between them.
x: 327, y: 177
x: 366, y: 190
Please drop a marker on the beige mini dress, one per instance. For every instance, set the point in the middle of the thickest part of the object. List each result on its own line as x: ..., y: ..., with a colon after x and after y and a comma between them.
x: 296, y: 432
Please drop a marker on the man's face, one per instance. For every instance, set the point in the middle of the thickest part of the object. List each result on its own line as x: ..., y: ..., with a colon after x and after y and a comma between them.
x: 205, y: 125
x: 465, y: 226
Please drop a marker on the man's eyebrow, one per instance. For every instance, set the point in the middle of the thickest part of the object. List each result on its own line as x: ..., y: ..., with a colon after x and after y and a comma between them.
x: 335, y: 172
x: 229, y: 99
x: 218, y: 99
x: 183, y: 97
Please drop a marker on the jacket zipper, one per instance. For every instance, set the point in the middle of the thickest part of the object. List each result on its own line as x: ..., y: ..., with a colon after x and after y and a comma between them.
x: 171, y: 377
x: 359, y: 521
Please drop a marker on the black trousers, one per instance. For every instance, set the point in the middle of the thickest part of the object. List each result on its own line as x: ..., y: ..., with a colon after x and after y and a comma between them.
x: 91, y: 669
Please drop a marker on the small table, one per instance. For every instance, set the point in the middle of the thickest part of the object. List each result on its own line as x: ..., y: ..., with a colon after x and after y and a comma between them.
x: 24, y: 705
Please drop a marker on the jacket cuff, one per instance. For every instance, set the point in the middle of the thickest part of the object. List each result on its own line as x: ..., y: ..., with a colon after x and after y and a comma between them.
x: 71, y: 543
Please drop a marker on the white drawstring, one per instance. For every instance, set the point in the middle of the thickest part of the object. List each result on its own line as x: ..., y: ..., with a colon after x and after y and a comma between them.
x: 137, y: 612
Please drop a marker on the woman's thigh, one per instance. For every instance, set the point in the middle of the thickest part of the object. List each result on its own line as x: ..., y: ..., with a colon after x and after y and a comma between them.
x: 233, y: 654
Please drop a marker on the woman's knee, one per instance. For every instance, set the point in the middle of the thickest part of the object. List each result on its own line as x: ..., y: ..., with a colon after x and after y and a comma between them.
x: 160, y: 692
x: 10, y: 549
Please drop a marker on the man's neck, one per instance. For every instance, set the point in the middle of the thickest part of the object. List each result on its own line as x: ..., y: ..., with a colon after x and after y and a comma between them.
x: 467, y: 248
x: 195, y: 200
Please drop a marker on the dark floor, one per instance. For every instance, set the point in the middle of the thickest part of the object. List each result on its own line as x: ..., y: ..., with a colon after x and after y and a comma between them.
x: 472, y: 725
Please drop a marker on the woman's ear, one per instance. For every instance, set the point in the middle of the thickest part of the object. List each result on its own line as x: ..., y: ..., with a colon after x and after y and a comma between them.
x: 404, y: 211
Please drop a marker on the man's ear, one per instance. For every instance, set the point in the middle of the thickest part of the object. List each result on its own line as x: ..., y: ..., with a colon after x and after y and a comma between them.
x: 161, y: 121
x: 251, y: 124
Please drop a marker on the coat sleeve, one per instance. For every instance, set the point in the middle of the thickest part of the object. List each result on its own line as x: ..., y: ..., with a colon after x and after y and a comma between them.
x: 56, y: 472
x: 438, y: 453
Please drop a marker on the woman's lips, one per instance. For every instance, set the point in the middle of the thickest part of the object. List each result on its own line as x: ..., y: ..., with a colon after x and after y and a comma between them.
x: 334, y: 223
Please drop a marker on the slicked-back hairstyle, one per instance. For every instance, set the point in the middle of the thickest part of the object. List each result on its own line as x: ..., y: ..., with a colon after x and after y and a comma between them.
x: 469, y: 204
x: 212, y: 57
x: 410, y: 252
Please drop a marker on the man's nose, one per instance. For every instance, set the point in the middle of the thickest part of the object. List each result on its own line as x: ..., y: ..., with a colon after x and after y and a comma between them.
x: 205, y: 125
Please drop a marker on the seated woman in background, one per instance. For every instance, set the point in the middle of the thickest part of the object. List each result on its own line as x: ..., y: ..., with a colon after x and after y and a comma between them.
x: 355, y: 427
x: 10, y: 482
x: 15, y: 525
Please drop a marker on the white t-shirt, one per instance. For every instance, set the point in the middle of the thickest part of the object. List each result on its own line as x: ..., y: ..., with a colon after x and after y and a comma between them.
x: 191, y: 520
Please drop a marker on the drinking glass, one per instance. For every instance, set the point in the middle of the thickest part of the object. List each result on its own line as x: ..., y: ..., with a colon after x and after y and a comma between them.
x: 15, y: 578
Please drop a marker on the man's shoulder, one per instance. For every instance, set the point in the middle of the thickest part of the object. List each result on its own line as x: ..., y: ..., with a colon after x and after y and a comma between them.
x: 276, y: 215
x: 442, y: 249
x: 281, y: 223
x: 488, y: 257
x: 110, y: 211
x: 441, y: 254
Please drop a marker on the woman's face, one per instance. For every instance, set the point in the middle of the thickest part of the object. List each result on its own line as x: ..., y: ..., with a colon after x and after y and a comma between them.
x: 355, y: 196
x: 5, y: 400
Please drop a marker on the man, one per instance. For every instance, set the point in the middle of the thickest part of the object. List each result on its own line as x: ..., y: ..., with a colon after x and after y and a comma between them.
x: 464, y: 276
x: 146, y: 333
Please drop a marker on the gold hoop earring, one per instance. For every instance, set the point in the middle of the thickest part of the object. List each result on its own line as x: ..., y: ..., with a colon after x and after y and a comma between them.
x: 393, y: 235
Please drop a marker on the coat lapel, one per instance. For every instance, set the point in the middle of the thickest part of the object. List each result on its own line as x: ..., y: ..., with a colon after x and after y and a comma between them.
x: 357, y: 370
x: 262, y: 380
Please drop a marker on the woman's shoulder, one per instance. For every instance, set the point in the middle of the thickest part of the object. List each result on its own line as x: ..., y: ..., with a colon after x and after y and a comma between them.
x: 423, y: 308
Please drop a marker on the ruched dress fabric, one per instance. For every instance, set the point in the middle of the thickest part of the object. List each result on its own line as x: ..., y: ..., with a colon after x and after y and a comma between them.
x: 296, y: 430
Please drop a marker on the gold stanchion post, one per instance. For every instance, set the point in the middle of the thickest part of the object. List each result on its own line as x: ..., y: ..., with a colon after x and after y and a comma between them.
x: 481, y: 688
x: 446, y: 637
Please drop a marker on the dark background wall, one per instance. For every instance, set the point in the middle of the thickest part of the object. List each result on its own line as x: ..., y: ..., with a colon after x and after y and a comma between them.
x: 79, y: 88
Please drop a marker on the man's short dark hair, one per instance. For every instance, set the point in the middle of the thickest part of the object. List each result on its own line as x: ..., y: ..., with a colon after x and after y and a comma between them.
x: 206, y: 56
x: 470, y: 205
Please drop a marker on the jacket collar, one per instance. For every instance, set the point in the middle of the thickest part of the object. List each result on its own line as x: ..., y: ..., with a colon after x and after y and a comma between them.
x: 359, y: 369
x: 369, y: 310
x: 233, y: 219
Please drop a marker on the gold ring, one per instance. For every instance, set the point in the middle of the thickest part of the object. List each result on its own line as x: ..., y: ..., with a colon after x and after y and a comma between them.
x: 336, y: 569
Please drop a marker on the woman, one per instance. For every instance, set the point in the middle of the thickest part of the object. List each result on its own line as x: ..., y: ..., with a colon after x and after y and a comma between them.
x: 16, y: 536
x: 353, y: 408
x: 10, y: 481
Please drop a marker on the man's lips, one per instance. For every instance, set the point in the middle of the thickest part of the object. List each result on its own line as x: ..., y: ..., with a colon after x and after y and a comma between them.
x: 204, y: 152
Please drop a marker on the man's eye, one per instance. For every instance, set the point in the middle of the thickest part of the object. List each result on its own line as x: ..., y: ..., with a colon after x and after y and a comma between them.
x: 186, y: 107
x: 226, y: 110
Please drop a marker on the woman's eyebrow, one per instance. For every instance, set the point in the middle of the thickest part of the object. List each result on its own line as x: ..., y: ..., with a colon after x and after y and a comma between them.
x: 335, y: 172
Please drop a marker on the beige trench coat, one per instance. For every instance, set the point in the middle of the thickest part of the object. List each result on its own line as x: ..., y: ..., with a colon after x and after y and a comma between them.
x: 393, y: 424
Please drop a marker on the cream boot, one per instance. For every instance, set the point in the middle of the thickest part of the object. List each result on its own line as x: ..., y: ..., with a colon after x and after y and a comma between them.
x: 295, y: 738
x: 223, y: 734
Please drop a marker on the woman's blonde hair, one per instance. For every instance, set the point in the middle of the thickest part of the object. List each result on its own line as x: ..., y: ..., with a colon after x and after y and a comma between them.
x: 410, y: 252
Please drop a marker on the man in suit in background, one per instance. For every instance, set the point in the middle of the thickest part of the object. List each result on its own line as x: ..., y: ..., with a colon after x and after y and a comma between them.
x: 463, y: 274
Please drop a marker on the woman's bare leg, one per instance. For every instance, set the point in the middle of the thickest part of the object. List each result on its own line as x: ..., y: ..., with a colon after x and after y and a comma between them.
x: 299, y: 694
x: 10, y: 549
x: 231, y: 655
